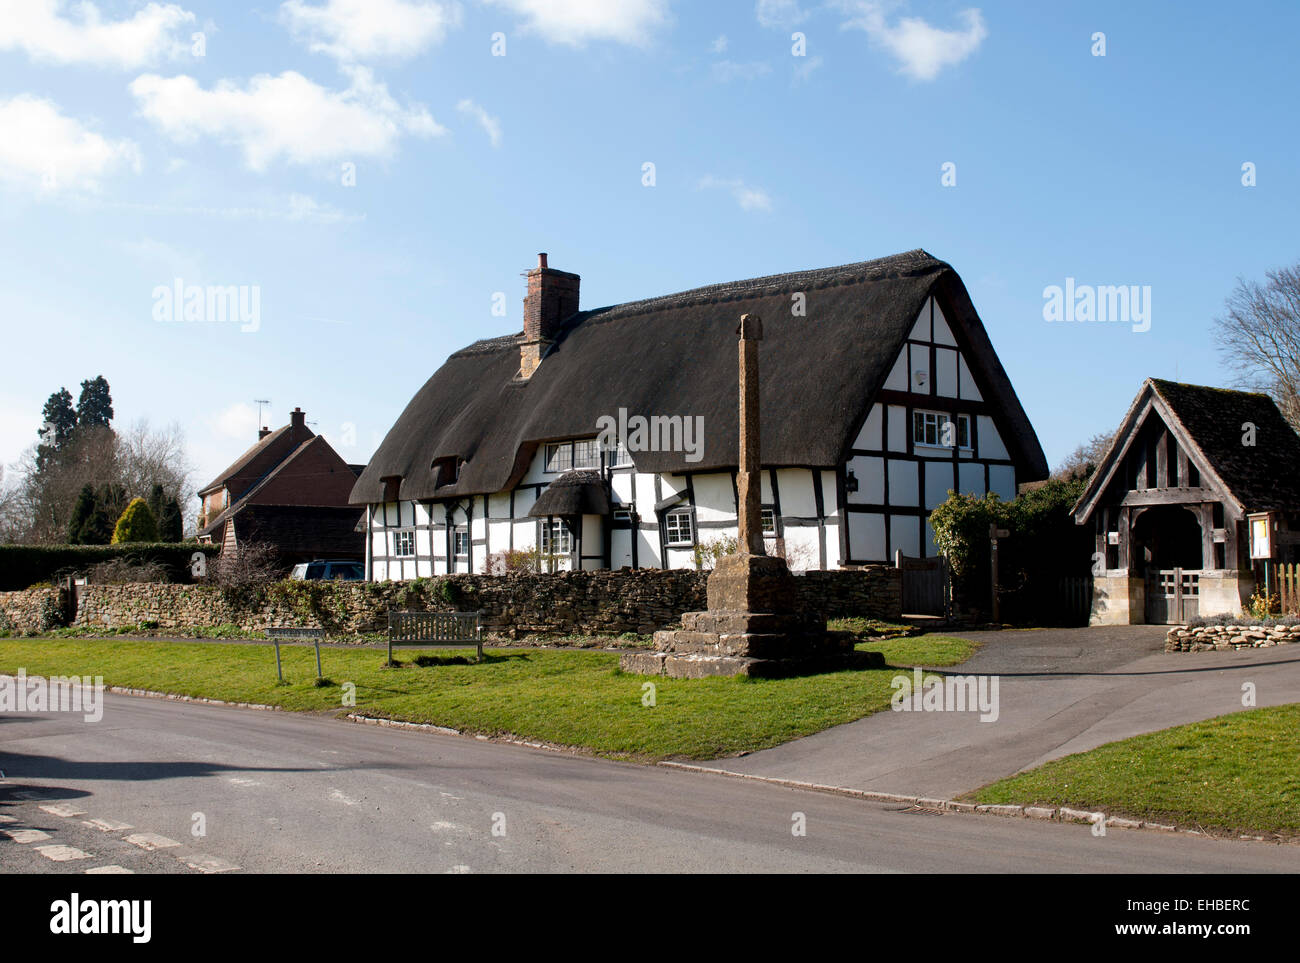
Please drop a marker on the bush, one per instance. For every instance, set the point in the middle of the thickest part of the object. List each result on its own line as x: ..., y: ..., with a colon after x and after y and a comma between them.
x: 137, y: 524
x: 1045, y: 546
x: 514, y: 560
x: 121, y: 571
x: 24, y: 566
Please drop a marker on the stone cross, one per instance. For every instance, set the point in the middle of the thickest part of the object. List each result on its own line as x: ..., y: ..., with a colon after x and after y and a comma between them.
x: 749, y: 478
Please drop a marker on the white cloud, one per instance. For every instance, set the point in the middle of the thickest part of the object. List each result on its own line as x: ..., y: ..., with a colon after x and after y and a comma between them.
x: 779, y: 13
x: 63, y: 33
x: 45, y: 150
x: 286, y: 117
x: 719, y: 45
x: 490, y: 124
x: 921, y: 50
x: 725, y: 71
x: 574, y: 22
x: 239, y: 422
x: 357, y: 30
x: 749, y: 198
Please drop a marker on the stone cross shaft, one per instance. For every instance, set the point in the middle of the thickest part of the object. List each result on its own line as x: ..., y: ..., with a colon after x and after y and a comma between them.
x: 749, y: 478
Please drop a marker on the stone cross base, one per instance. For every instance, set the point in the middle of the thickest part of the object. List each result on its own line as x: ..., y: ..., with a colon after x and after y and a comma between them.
x: 752, y: 628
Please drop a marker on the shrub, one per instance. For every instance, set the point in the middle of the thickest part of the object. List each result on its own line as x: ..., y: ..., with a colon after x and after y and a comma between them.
x: 1045, y: 546
x: 52, y: 613
x: 708, y: 552
x: 126, y: 570
x: 514, y: 560
x: 244, y: 574
x: 26, y: 566
x: 136, y: 524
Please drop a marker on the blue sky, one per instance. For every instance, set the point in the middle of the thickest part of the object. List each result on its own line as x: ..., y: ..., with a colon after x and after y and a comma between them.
x: 126, y: 160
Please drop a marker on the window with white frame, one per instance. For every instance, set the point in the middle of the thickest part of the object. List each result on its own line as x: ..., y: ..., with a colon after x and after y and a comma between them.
x: 586, y: 454
x: 769, y: 521
x: 556, y: 539
x: 460, y: 541
x: 404, y: 543
x: 678, y: 528
x: 559, y: 457
x: 937, y: 429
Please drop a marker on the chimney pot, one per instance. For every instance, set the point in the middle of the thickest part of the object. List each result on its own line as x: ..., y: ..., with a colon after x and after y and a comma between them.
x: 541, y: 260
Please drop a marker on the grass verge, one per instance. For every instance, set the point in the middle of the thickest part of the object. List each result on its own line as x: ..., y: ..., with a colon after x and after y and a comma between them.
x: 571, y: 698
x: 1238, y: 773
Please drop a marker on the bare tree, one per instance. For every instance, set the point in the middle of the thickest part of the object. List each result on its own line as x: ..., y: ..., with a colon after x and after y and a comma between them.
x: 1083, y: 460
x: 37, y: 508
x: 148, y: 457
x: 249, y: 566
x: 1259, y: 337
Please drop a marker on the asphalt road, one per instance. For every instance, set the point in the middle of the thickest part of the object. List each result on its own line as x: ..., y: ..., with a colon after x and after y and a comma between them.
x: 1060, y: 691
x: 292, y: 793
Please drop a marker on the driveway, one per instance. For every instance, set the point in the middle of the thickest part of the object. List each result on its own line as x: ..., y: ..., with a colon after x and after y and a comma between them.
x: 1060, y: 691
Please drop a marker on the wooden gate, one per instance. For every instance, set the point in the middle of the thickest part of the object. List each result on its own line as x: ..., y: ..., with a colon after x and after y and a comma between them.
x: 1173, y: 596
x: 925, y: 585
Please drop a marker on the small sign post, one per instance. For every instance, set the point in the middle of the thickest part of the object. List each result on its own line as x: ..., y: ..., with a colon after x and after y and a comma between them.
x: 994, y: 534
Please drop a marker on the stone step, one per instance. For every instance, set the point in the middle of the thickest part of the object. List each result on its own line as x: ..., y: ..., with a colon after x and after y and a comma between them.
x: 740, y: 623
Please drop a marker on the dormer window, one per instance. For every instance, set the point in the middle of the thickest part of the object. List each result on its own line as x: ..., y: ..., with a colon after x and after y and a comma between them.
x: 448, y: 469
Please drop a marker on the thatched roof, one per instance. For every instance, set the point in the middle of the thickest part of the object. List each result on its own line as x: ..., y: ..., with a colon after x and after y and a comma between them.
x: 573, y: 493
x: 1209, y: 422
x: 676, y: 355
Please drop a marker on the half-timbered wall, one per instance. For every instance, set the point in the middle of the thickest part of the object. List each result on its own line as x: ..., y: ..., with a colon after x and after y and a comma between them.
x: 900, y: 479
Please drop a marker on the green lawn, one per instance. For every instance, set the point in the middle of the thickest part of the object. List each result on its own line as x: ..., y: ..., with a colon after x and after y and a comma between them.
x: 1236, y: 773
x: 567, y: 697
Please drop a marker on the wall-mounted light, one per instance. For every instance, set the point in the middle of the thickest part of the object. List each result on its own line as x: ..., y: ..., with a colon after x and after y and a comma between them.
x: 850, y: 481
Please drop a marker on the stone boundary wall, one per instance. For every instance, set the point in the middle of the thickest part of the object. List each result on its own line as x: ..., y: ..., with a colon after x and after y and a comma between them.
x: 1203, y: 637
x: 567, y: 603
x: 33, y: 610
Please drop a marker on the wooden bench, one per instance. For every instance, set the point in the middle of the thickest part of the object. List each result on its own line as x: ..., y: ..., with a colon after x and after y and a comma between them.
x: 435, y: 629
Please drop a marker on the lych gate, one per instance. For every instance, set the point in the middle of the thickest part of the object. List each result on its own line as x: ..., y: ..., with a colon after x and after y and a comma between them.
x: 1169, y: 502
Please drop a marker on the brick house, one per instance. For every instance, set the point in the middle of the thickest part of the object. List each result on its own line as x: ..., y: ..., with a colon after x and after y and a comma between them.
x: 289, y: 490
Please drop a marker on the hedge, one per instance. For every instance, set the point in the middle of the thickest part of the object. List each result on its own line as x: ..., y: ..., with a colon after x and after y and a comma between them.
x: 22, y: 566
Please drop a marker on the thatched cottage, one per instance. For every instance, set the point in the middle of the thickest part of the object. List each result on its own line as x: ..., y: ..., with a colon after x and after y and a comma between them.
x: 607, y: 438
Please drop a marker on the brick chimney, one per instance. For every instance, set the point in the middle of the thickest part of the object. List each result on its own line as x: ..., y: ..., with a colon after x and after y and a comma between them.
x: 552, y: 298
x: 297, y: 418
x: 263, y: 432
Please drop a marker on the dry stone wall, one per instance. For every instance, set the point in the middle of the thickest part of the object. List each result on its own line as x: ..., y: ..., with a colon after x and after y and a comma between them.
x: 513, y: 606
x: 1201, y: 637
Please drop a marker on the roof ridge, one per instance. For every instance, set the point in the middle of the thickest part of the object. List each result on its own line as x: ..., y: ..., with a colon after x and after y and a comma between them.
x: 908, y: 263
